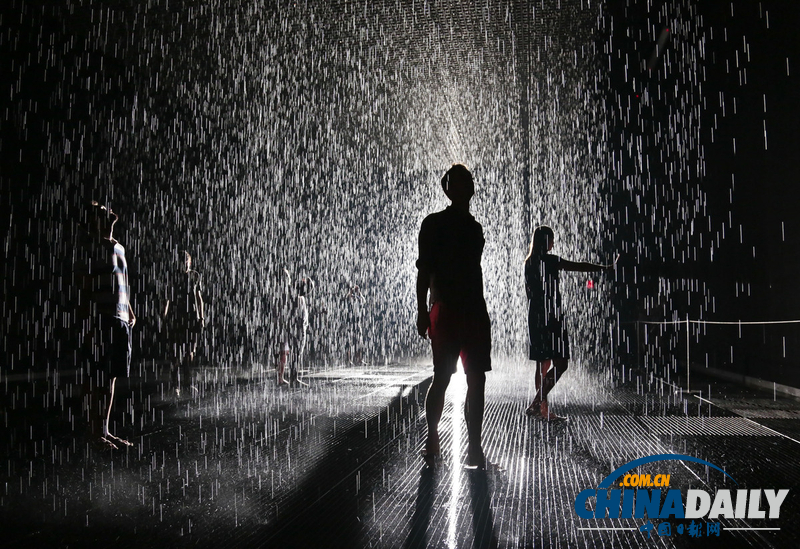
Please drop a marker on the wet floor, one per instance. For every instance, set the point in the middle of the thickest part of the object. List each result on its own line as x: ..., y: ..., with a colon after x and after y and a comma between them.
x: 239, y: 462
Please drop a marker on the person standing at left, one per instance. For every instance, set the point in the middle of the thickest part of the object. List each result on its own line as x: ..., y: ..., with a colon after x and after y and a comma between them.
x: 106, y: 313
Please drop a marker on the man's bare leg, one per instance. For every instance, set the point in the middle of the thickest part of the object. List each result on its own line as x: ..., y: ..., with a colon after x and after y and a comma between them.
x: 473, y: 413
x: 296, y: 365
x: 434, y: 407
x: 107, y: 436
x: 175, y: 376
x: 294, y: 376
x: 188, y: 365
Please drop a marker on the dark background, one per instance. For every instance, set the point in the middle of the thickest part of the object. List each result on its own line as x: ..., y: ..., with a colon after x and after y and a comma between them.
x: 738, y: 261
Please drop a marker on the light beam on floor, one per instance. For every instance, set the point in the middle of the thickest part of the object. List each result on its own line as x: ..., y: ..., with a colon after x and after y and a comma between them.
x: 458, y: 392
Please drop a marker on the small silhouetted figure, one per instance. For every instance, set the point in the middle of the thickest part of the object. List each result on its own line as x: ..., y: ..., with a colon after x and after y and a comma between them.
x: 184, y: 318
x: 449, y: 265
x: 548, y: 338
x: 354, y: 302
x: 105, y: 308
x: 284, y: 352
x: 281, y: 317
x: 300, y: 292
x: 293, y: 322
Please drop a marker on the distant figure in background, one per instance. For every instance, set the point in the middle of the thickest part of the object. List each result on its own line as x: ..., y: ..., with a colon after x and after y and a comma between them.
x: 549, y: 341
x: 301, y: 294
x: 354, y: 302
x: 283, y: 358
x: 280, y: 320
x: 184, y: 319
x: 294, y: 321
x: 262, y: 343
x: 105, y: 308
x: 319, y: 341
x: 450, y: 249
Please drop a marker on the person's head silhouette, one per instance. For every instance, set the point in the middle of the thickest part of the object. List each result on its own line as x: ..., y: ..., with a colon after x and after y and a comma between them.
x: 458, y: 184
x: 99, y: 220
x: 542, y: 241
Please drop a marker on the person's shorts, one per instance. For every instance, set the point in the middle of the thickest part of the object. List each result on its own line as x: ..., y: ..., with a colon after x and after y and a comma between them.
x: 114, y: 347
x: 183, y: 338
x: 353, y: 332
x: 466, y: 334
x: 548, y: 341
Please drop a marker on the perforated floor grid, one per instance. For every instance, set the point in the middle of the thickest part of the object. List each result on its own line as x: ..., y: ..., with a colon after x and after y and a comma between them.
x: 239, y: 462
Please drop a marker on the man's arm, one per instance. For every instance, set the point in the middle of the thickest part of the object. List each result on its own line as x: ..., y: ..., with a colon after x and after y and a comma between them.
x: 423, y: 318
x: 287, y: 279
x: 198, y: 301
x: 131, y: 316
x: 424, y: 262
x: 201, y: 313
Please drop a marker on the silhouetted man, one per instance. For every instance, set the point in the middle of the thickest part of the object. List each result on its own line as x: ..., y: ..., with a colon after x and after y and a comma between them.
x: 355, y: 303
x: 450, y: 248
x: 184, y: 316
x: 105, y: 308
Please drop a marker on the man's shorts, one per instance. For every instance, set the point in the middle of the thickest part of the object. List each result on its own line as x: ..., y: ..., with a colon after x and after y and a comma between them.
x: 183, y: 337
x: 114, y: 348
x: 460, y: 333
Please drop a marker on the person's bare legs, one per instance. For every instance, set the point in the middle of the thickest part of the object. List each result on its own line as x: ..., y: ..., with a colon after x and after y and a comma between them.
x: 188, y: 365
x: 107, y: 436
x: 434, y: 406
x: 295, y: 362
x: 294, y: 372
x: 175, y: 376
x: 560, y: 365
x: 181, y: 369
x: 294, y: 365
x: 282, y: 358
x: 473, y: 413
x: 542, y: 370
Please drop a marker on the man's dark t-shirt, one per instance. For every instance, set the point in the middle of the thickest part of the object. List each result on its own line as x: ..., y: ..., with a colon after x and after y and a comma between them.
x: 450, y: 248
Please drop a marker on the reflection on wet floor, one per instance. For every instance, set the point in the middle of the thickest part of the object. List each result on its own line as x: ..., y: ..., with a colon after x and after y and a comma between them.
x: 238, y: 461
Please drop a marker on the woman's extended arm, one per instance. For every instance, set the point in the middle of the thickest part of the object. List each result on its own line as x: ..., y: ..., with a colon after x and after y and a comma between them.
x: 585, y: 267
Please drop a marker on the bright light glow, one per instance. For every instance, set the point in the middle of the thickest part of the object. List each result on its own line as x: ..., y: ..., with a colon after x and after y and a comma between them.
x: 457, y: 393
